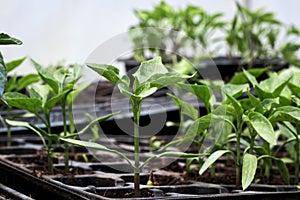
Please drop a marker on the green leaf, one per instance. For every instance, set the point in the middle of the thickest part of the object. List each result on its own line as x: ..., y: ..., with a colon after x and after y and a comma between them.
x: 283, y: 170
x: 237, y: 106
x: 124, y: 86
x: 250, y: 77
x: 148, y: 69
x: 262, y: 126
x: 36, y: 130
x: 95, y: 121
x: 167, y: 79
x: 203, y: 92
x: 109, y: 72
x: 269, y: 104
x: 235, y: 90
x: 3, y: 74
x: 21, y: 101
x: 212, y: 159
x: 185, y: 107
x: 96, y: 146
x: 7, y: 40
x: 14, y: 64
x: 145, y: 90
x: 183, y: 67
x: 255, y: 102
x: 271, y: 87
x: 76, y: 91
x: 40, y: 92
x: 26, y: 81
x: 286, y: 113
x: 47, y: 77
x: 50, y: 103
x: 197, y: 127
x: 248, y: 170
x: 240, y: 77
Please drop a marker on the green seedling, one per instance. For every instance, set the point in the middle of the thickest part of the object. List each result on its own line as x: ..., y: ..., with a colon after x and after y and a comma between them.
x: 59, y: 89
x: 15, y: 84
x: 248, y: 121
x: 150, y: 77
x: 6, y: 40
x: 163, y: 29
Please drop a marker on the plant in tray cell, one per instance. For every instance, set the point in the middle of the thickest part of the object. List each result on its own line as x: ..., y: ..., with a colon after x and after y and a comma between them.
x: 251, y: 33
x: 257, y: 37
x: 151, y: 76
x: 287, y: 119
x: 195, y: 128
x: 6, y: 40
x: 165, y: 30
x: 252, y: 134
x: 59, y: 89
x: 16, y: 84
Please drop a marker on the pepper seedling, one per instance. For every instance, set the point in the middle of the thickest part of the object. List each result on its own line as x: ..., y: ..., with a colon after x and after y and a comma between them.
x: 151, y: 76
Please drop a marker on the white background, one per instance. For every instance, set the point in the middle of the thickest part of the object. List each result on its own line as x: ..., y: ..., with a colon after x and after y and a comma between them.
x: 69, y: 30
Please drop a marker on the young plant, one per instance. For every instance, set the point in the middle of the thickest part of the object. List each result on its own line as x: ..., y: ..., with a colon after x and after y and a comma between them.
x: 151, y: 76
x: 5, y: 40
x: 251, y: 33
x: 15, y: 84
x: 287, y: 118
x: 59, y: 88
x: 248, y: 118
x: 160, y: 29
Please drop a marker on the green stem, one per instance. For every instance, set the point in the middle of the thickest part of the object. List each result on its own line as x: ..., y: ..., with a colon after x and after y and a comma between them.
x: 50, y: 156
x: 237, y: 164
x: 8, y: 128
x: 136, y: 108
x: 8, y: 135
x: 66, y: 146
x: 251, y: 145
x: 238, y: 155
x: 49, y: 148
x: 297, y: 162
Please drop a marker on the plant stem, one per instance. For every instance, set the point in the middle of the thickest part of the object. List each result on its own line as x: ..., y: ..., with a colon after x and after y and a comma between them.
x: 8, y: 128
x: 237, y: 163
x: 251, y: 145
x: 49, y: 148
x: 8, y: 135
x: 66, y: 146
x: 136, y: 108
x: 297, y: 162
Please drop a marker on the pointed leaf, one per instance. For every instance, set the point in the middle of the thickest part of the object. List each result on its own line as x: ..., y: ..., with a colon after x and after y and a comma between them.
x: 235, y: 90
x: 255, y: 102
x: 21, y: 101
x: 250, y: 77
x: 286, y: 113
x: 39, y: 132
x: 26, y: 81
x: 212, y: 159
x: 240, y: 77
x: 262, y: 126
x: 109, y: 72
x: 147, y: 69
x: 7, y: 40
x: 167, y: 79
x: 14, y: 64
x: 237, y: 106
x: 248, y: 170
x: 283, y: 170
x: 185, y: 107
x: 203, y: 92
x: 3, y: 75
x: 46, y: 77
